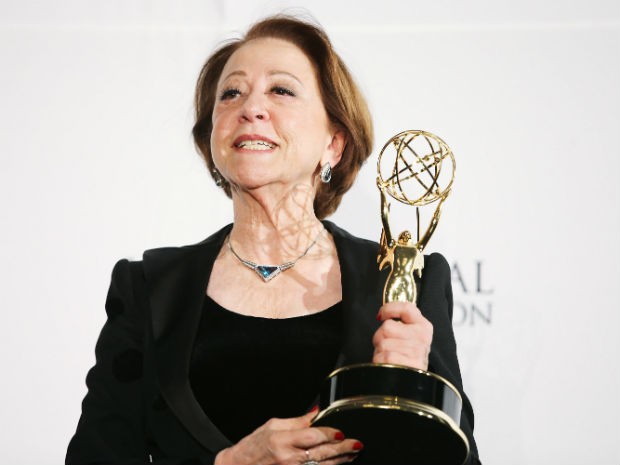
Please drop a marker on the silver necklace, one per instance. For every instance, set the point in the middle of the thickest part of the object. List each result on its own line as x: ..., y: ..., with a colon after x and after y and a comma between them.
x: 268, y: 272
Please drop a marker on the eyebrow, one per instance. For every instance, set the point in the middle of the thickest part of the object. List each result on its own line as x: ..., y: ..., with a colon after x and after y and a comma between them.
x: 274, y: 72
x: 271, y: 73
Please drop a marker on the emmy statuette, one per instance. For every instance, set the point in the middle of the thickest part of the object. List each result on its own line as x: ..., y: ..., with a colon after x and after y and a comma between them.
x: 402, y: 415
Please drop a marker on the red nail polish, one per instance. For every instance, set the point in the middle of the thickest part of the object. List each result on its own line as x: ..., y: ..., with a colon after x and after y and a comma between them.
x: 379, y: 316
x: 314, y: 409
x: 358, y: 445
x: 339, y: 436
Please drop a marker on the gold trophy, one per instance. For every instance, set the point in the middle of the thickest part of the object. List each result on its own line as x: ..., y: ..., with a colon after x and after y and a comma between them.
x: 402, y: 415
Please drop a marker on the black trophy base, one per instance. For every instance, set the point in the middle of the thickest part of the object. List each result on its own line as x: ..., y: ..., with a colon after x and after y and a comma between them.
x: 392, y: 436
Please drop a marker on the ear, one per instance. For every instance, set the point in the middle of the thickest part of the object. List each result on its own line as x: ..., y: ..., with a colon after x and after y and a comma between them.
x: 336, y: 146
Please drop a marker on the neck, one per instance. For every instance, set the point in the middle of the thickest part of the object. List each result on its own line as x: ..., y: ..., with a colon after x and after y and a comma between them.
x: 274, y: 228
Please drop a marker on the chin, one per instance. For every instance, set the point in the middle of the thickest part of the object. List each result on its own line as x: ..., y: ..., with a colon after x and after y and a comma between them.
x: 251, y: 183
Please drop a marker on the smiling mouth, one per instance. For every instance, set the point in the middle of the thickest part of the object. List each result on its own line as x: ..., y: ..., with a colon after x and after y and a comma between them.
x: 255, y: 145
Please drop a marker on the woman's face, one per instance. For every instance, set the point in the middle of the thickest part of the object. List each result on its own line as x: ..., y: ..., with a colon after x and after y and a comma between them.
x: 269, y: 123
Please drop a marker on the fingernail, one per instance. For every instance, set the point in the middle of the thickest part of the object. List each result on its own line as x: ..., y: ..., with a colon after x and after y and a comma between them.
x: 358, y: 445
x: 379, y: 316
x: 314, y: 409
x: 339, y: 436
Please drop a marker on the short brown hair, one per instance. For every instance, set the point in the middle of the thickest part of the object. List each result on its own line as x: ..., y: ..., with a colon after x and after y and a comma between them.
x: 346, y: 107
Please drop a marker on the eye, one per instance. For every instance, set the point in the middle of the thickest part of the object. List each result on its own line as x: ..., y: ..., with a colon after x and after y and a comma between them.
x: 231, y: 93
x: 279, y: 90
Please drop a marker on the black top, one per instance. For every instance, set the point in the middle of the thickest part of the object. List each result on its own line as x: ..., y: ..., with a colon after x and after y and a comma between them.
x: 264, y: 367
x: 140, y: 407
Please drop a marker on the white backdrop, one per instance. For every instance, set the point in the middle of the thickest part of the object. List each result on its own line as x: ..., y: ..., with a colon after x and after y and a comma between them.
x: 97, y: 164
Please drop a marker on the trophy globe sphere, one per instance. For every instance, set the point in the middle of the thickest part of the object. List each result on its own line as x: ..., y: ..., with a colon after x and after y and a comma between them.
x: 416, y: 168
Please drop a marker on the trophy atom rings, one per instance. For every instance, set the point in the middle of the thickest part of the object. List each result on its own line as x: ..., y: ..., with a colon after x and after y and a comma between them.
x: 416, y: 168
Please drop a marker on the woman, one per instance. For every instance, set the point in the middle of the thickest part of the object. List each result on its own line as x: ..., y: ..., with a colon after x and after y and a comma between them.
x: 215, y: 352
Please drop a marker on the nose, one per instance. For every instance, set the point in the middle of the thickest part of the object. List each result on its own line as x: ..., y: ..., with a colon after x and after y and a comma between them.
x: 254, y: 108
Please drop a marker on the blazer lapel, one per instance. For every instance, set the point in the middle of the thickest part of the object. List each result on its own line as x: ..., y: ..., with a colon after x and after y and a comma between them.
x: 361, y: 294
x: 177, y: 280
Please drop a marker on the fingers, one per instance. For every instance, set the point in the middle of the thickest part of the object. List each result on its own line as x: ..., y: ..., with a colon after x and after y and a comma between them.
x: 285, y: 441
x: 282, y: 424
x: 411, y: 323
x: 313, y: 436
x: 406, y: 312
x: 289, y: 438
x: 417, y: 361
x: 404, y: 337
x: 334, y: 453
x: 324, y: 444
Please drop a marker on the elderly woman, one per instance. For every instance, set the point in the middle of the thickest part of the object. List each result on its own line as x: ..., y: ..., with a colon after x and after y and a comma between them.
x: 215, y: 352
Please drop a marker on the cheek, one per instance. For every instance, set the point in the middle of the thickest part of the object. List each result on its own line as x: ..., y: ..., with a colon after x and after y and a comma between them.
x: 216, y: 120
x: 221, y: 129
x: 217, y: 145
x: 319, y: 123
x: 222, y: 115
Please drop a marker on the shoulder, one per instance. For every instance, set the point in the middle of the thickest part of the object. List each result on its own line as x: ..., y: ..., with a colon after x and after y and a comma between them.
x: 179, y: 252
x: 345, y: 238
x: 435, y: 298
x: 158, y: 262
x: 436, y: 264
x: 436, y: 276
x: 357, y: 256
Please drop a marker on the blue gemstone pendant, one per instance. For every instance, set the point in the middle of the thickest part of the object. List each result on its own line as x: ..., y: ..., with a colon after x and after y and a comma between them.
x: 267, y: 272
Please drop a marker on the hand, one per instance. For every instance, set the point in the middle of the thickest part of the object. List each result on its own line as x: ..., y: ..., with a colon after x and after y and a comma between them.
x: 404, y: 337
x: 285, y: 442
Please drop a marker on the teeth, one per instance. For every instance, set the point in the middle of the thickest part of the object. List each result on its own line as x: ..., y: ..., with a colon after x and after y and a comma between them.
x: 255, y: 145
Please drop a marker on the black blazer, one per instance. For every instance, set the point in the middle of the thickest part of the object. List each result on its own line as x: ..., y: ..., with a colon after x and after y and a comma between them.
x: 140, y: 406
